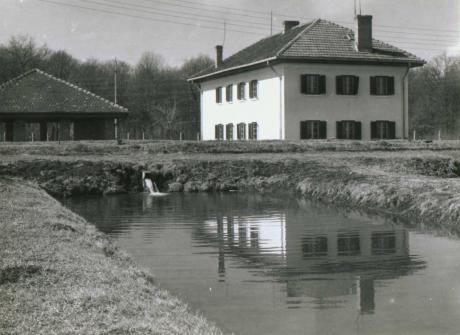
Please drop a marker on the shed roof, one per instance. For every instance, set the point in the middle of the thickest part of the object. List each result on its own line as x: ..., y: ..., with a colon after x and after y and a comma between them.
x: 316, y: 41
x: 37, y: 92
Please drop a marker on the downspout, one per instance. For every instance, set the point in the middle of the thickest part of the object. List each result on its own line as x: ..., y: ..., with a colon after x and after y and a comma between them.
x: 404, y: 102
x: 280, y: 97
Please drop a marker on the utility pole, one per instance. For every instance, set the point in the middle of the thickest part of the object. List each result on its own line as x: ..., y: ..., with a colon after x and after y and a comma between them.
x: 115, y: 83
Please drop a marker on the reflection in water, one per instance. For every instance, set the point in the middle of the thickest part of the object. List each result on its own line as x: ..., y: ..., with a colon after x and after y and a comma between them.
x: 258, y: 264
x: 323, y: 259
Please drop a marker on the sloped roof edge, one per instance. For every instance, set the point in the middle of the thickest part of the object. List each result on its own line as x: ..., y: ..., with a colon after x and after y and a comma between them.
x: 36, y: 70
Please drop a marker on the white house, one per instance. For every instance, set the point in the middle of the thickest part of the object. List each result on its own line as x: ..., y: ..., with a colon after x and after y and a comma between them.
x: 313, y: 81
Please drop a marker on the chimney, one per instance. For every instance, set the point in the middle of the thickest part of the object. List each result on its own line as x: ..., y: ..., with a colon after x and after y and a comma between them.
x: 363, y: 36
x: 219, y: 55
x: 288, y: 25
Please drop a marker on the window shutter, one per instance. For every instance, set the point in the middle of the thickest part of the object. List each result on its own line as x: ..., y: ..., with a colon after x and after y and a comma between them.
x: 339, y: 130
x: 356, y: 85
x: 253, y: 130
x: 373, y: 86
x: 358, y: 130
x: 391, y: 130
x: 338, y: 85
x: 391, y: 85
x: 303, y: 83
x: 322, y: 84
x: 303, y: 130
x: 322, y: 129
x: 373, y: 130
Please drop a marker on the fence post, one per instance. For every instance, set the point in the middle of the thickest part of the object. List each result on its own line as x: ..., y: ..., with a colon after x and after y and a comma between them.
x: 414, y: 136
x: 439, y: 135
x: 180, y: 136
x: 143, y: 136
x: 197, y: 136
x: 32, y: 136
x: 127, y: 136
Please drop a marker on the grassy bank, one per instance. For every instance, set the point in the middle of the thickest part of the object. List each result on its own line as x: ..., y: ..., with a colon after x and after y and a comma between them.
x: 106, y: 148
x: 58, y: 275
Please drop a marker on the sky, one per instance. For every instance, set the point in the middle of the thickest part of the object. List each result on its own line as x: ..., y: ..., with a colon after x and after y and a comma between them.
x: 181, y: 29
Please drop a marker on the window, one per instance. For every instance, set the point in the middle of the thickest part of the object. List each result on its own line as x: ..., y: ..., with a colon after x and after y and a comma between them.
x: 229, y: 93
x: 383, y: 130
x: 348, y: 130
x: 383, y: 243
x: 253, y: 131
x: 229, y: 131
x: 347, y: 85
x: 312, y: 84
x: 219, y: 131
x: 242, y: 91
x: 314, y: 246
x: 241, y: 131
x: 313, y: 130
x: 219, y: 95
x: 253, y: 89
x: 381, y: 85
x: 348, y: 244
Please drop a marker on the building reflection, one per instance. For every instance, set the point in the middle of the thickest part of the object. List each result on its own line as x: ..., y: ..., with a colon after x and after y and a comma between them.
x: 321, y: 256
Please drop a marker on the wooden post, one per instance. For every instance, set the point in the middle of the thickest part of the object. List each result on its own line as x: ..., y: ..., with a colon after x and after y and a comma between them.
x: 180, y: 136
x: 127, y: 136
x: 32, y: 136
x: 115, y: 121
x: 414, y: 135
x: 143, y: 136
x: 197, y: 136
x: 439, y: 135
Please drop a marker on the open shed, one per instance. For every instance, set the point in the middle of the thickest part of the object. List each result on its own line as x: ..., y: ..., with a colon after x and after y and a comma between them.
x: 37, y: 106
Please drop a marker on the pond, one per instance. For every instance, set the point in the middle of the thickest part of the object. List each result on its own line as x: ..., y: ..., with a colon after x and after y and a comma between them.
x: 259, y: 264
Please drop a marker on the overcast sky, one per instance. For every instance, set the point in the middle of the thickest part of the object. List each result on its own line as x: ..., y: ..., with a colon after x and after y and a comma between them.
x: 180, y: 29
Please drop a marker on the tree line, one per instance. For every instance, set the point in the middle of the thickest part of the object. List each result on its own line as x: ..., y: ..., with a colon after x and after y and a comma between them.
x: 434, y: 99
x: 164, y: 105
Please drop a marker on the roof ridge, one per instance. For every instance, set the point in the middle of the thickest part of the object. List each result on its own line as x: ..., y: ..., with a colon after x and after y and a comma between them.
x: 25, y: 74
x: 81, y: 89
x: 65, y: 82
x: 292, y: 41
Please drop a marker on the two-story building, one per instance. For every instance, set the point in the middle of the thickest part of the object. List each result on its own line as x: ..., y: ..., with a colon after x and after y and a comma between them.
x: 313, y: 81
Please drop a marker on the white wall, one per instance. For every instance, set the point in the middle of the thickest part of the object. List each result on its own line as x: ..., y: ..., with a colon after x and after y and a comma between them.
x: 331, y: 107
x: 265, y: 110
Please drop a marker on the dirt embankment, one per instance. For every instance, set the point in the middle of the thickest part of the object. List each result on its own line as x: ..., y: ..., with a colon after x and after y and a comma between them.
x: 423, y: 186
x: 58, y: 275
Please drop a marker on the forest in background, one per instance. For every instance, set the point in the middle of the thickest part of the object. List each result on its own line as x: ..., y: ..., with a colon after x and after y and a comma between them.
x: 163, y: 105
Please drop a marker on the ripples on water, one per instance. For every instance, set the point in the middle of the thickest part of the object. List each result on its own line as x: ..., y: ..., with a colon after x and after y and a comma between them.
x: 277, y: 265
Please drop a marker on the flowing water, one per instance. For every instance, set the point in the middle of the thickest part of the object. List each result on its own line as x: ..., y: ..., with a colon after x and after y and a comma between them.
x: 259, y: 264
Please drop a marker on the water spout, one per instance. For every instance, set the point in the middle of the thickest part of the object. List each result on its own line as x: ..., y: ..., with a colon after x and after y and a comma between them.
x: 151, y: 186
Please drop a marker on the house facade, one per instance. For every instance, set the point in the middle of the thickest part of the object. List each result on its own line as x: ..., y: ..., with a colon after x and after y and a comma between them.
x: 37, y: 106
x: 314, y: 81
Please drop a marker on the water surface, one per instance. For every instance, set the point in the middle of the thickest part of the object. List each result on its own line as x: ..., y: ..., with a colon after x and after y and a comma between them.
x: 276, y: 265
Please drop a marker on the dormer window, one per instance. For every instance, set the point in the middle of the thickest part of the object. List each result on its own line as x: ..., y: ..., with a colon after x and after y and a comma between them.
x: 254, y: 89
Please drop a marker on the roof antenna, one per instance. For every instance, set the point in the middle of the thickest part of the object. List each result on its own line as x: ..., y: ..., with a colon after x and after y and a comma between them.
x: 225, y: 32
x: 360, y: 7
x: 354, y: 8
x: 271, y: 23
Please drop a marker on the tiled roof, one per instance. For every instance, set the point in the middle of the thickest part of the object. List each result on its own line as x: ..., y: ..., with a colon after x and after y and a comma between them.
x: 37, y: 92
x: 319, y: 40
